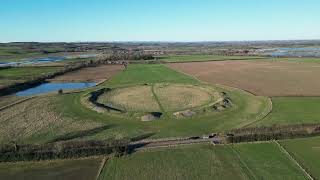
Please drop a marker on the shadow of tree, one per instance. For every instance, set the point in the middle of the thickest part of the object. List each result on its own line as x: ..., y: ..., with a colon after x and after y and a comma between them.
x: 142, y: 136
x: 80, y: 134
x: 132, y: 147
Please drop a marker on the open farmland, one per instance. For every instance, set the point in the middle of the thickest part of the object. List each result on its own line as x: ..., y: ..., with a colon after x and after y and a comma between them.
x: 90, y: 74
x: 8, y: 100
x: 52, y: 117
x: 266, y: 78
x: 193, y: 58
x: 247, y: 161
x: 307, y: 152
x: 14, y: 75
x: 247, y: 108
x: 35, y: 120
x: 143, y: 73
x: 267, y: 161
x: 81, y: 169
x: 292, y: 110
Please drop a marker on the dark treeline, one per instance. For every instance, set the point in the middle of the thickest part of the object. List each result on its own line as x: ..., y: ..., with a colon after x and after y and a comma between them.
x: 125, y: 55
x: 59, y: 150
x: 273, y: 133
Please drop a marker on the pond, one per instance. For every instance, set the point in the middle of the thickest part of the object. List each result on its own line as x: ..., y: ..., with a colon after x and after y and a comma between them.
x: 51, y: 87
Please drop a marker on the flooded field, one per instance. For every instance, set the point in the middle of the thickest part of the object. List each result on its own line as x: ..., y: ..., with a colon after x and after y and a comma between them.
x: 292, y: 52
x: 45, y: 60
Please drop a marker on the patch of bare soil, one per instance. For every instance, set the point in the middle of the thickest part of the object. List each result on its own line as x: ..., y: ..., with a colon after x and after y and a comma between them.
x: 90, y: 74
x: 266, y: 78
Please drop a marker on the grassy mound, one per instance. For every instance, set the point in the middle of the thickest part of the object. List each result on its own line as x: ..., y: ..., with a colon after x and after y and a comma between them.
x: 135, y: 98
x: 175, y: 97
x: 160, y: 97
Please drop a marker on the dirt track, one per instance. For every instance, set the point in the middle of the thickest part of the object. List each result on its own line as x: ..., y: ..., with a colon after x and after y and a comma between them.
x: 266, y: 78
x: 90, y: 74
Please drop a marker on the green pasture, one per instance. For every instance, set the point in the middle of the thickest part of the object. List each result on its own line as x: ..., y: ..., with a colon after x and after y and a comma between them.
x: 81, y: 169
x: 245, y: 161
x: 307, y: 152
x: 293, y: 110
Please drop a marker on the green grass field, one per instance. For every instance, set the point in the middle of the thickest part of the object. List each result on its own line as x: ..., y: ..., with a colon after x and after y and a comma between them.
x: 266, y: 161
x: 21, y: 74
x: 246, y: 161
x: 82, y: 169
x: 293, y: 110
x: 142, y: 73
x: 189, y: 58
x: 307, y: 152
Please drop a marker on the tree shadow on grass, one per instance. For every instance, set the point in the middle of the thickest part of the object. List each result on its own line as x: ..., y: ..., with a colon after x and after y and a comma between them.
x: 136, y: 145
x: 142, y: 136
x: 80, y: 134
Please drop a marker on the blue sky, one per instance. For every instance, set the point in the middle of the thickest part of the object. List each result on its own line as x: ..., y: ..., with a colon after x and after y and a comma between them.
x: 158, y: 20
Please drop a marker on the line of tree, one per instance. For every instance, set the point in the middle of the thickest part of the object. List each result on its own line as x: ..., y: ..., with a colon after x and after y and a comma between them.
x: 125, y: 55
x: 275, y: 132
x: 61, y: 150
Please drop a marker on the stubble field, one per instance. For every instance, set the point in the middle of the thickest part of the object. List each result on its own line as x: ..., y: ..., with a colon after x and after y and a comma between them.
x: 261, y: 77
x: 90, y: 74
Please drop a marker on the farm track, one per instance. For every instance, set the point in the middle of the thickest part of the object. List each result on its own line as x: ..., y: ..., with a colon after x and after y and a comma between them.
x: 101, y: 167
x: 245, y: 167
x: 157, y: 99
x: 15, y: 103
x: 172, y: 143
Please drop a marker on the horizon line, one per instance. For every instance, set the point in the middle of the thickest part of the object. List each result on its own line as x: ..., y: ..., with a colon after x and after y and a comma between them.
x: 159, y: 41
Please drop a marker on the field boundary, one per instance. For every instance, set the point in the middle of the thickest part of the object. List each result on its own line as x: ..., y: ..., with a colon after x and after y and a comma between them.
x: 157, y: 99
x: 244, y: 59
x: 250, y: 173
x: 15, y: 103
x: 293, y: 160
x: 101, y: 167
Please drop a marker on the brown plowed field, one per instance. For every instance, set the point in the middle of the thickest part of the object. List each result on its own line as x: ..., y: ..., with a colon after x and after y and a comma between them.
x: 90, y: 74
x: 266, y: 78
